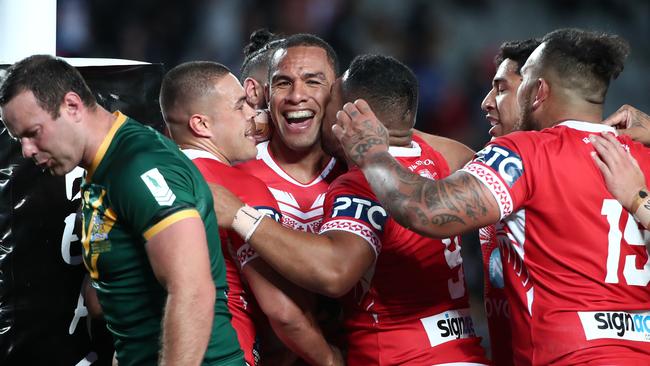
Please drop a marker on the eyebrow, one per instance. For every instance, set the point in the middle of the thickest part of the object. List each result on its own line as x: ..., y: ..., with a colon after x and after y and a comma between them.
x: 319, y: 75
x: 499, y: 80
x: 240, y: 101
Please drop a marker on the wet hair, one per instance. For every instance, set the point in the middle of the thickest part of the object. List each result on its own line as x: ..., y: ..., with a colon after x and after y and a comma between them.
x: 308, y: 40
x: 584, y: 61
x: 517, y: 51
x: 257, y: 52
x: 389, y: 87
x: 188, y: 82
x: 49, y: 78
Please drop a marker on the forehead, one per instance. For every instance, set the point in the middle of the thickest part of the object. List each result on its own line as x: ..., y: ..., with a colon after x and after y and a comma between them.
x: 507, y: 70
x: 22, y: 112
x: 301, y: 59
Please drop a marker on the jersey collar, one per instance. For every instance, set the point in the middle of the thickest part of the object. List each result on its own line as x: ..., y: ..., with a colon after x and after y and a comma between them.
x: 103, y: 147
x: 406, y: 152
x: 198, y: 154
x: 588, y: 126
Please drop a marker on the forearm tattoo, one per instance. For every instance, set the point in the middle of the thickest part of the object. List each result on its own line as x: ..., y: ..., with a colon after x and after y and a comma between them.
x: 424, y: 204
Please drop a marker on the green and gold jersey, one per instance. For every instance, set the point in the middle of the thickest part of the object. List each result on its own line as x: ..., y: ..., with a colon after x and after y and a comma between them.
x: 139, y: 183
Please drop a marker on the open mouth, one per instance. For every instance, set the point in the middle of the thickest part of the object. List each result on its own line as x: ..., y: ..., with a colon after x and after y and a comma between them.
x: 299, y: 119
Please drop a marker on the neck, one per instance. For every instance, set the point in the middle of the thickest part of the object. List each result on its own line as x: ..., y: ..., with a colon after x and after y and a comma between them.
x: 400, y: 138
x: 99, y: 121
x: 205, y: 146
x: 302, y: 166
x: 584, y: 111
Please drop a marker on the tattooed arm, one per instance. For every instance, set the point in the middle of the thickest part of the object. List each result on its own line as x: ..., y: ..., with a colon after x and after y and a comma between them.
x: 433, y: 208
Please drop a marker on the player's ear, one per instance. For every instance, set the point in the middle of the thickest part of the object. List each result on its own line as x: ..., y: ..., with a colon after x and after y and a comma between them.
x: 199, y: 124
x: 541, y: 93
x: 254, y: 93
x: 71, y: 105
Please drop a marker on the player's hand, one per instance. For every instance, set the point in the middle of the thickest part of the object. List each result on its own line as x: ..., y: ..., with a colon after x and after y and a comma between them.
x: 632, y: 122
x: 360, y: 132
x: 621, y: 171
x: 225, y: 205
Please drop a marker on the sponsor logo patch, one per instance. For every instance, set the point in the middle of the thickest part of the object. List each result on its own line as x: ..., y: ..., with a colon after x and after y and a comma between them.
x: 448, y: 326
x: 502, y: 160
x: 616, y: 325
x: 158, y: 187
x: 362, y: 209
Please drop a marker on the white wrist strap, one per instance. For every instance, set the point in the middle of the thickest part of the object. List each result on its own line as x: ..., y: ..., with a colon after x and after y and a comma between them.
x: 247, y: 219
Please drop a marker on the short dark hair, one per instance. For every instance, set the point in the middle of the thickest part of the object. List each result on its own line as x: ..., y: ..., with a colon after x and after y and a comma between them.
x: 517, y: 51
x: 187, y: 82
x: 309, y: 40
x: 585, y: 61
x: 389, y: 87
x: 258, y: 52
x: 49, y: 78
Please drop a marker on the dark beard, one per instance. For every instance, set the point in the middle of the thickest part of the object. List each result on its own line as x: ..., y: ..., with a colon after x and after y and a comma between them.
x: 526, y: 120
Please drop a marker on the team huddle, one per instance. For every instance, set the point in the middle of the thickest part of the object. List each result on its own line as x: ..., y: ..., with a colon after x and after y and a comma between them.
x: 295, y: 216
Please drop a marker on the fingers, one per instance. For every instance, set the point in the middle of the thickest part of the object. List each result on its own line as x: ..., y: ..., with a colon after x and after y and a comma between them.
x: 606, y: 149
x: 363, y: 106
x: 352, y: 110
x: 620, y: 118
x: 604, y: 169
x: 338, y: 132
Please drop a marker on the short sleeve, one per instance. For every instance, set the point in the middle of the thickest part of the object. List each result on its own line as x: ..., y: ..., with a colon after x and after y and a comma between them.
x: 501, y: 168
x: 351, y: 206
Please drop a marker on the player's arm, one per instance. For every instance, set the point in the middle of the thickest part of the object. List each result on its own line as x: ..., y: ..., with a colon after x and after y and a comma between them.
x: 632, y: 122
x: 329, y: 264
x: 623, y: 176
x: 288, y: 309
x: 438, y: 208
x: 184, y: 271
x: 455, y: 153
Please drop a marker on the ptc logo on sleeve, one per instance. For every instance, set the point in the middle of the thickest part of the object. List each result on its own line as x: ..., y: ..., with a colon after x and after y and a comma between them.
x: 361, y: 209
x: 158, y: 187
x: 502, y: 160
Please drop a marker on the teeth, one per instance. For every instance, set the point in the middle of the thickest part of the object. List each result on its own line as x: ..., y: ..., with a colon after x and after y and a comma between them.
x: 299, y: 114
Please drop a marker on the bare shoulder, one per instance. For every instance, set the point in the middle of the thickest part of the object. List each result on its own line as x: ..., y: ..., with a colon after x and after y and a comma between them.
x: 456, y: 153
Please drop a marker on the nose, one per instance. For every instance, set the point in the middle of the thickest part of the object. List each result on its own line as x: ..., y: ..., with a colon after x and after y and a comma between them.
x: 298, y: 93
x: 488, y: 102
x: 28, y: 148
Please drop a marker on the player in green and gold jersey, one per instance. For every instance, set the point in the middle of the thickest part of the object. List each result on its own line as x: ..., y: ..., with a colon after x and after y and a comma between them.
x: 150, y: 234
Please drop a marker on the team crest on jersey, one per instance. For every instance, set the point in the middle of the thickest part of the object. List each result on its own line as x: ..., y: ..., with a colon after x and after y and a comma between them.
x: 502, y: 160
x: 362, y: 209
x: 158, y: 187
x: 97, y: 222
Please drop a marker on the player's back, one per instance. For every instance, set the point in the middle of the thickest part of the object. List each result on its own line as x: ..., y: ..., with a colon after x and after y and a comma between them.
x: 412, y: 306
x: 589, y: 296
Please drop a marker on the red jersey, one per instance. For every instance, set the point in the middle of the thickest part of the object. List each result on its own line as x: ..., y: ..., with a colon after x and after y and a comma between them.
x: 411, y: 307
x: 252, y: 191
x: 497, y: 308
x: 579, y: 264
x: 301, y: 204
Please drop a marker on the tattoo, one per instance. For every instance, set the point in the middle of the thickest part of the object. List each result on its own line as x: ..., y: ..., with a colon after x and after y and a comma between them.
x: 425, y: 205
x: 369, y: 138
